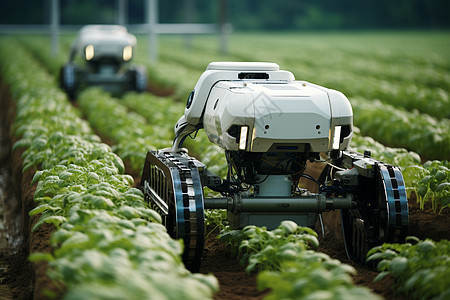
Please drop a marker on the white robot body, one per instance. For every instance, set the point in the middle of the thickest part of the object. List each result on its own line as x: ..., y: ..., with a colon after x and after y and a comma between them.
x: 283, y: 116
x: 255, y: 107
x: 95, y: 42
x: 271, y: 126
x: 100, y: 56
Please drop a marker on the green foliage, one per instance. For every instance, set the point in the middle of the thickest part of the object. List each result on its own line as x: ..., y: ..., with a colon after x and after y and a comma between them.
x: 400, y: 96
x: 40, y: 47
x: 139, y: 122
x: 107, y: 239
x: 97, y: 249
x: 395, y: 156
x: 78, y: 172
x: 134, y: 136
x: 388, y: 75
x: 288, y: 266
x: 216, y: 219
x: 422, y: 133
x: 268, y: 249
x: 421, y: 270
x: 313, y: 275
x: 430, y: 182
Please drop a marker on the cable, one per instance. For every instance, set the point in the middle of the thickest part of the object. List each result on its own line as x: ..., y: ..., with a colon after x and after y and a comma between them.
x: 321, y: 225
x: 195, y: 135
x: 307, y: 176
x: 336, y: 167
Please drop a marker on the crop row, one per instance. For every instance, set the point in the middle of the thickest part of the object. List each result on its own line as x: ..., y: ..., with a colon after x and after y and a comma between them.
x: 421, y: 268
x: 396, y: 127
x: 74, y: 245
x: 317, y: 264
x: 139, y: 122
x: 406, y: 80
x: 288, y: 265
x: 430, y: 181
x: 39, y: 47
x: 399, y: 128
x: 131, y: 133
x: 108, y: 243
x: 178, y: 70
x: 393, y: 126
x: 291, y: 269
x: 52, y: 183
x: 135, y: 125
x: 163, y: 113
x: 173, y: 77
x: 429, y: 136
x: 400, y: 157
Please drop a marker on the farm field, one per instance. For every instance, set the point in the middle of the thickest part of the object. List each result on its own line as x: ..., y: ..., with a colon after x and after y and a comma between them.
x: 398, y: 84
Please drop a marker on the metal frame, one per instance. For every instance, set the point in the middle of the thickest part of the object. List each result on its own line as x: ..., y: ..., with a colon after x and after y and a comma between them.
x: 152, y: 26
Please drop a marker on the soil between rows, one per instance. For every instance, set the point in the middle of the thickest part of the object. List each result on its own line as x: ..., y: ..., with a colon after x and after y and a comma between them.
x: 236, y: 284
x: 23, y: 280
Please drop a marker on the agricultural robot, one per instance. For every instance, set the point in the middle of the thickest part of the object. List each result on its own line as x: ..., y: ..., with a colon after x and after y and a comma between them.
x: 100, y: 56
x: 270, y: 126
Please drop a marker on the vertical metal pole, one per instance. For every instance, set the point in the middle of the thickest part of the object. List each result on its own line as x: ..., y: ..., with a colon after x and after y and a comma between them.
x: 54, y: 26
x: 188, y: 18
x: 121, y: 11
x: 152, y: 21
x: 223, y: 9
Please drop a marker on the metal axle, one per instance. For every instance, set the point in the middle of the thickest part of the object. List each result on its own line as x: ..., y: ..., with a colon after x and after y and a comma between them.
x: 313, y: 203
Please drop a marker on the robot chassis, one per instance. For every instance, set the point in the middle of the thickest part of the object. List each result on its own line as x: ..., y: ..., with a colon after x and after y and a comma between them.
x: 270, y: 125
x: 99, y: 56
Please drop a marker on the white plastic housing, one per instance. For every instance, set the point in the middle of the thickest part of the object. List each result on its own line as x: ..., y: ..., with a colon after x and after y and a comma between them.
x: 275, y: 114
x: 227, y: 71
x: 104, y: 41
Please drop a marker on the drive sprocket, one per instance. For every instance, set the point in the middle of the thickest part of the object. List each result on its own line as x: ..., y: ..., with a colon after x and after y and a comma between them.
x: 381, y: 214
x: 172, y: 185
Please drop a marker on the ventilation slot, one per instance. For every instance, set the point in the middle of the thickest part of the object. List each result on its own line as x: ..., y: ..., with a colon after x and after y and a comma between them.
x: 253, y: 76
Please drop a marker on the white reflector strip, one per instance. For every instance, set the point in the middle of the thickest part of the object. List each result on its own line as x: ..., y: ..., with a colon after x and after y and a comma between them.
x: 243, y: 137
x: 337, y: 137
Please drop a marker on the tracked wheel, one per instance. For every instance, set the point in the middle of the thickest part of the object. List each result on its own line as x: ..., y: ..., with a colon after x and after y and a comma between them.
x: 68, y: 80
x: 140, y: 78
x: 171, y: 184
x: 381, y: 215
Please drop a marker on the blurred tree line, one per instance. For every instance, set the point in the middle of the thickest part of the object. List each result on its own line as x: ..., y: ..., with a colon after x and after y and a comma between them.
x: 247, y: 14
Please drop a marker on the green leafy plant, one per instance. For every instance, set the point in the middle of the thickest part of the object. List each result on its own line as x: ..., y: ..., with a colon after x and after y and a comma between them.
x: 400, y: 128
x: 313, y: 275
x: 289, y: 266
x: 215, y: 219
x: 430, y: 182
x: 386, y: 73
x: 106, y: 239
x: 267, y: 249
x: 421, y: 269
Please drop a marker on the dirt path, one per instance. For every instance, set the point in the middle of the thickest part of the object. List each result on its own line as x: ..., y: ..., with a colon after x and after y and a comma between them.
x: 15, y: 271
